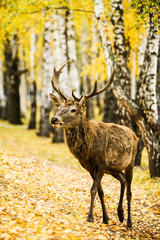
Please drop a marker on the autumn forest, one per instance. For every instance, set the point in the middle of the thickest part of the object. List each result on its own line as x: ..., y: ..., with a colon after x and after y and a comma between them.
x: 45, y: 193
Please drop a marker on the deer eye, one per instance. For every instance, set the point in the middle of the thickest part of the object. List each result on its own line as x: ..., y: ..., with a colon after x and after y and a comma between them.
x: 73, y: 110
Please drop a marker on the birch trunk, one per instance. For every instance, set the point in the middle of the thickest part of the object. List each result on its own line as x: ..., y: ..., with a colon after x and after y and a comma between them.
x: 32, y: 122
x: 72, y: 55
x: 59, y: 57
x: 146, y: 95
x: 86, y: 60
x: 2, y: 95
x: 150, y: 139
x: 23, y: 84
x: 158, y: 82
x: 110, y: 102
x: 121, y: 57
x: 47, y: 71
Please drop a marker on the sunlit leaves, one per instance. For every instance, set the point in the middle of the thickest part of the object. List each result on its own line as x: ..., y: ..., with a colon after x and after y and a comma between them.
x: 145, y: 7
x: 45, y: 200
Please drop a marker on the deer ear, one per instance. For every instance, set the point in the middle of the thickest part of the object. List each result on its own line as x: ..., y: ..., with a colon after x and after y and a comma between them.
x: 56, y: 101
x: 82, y: 104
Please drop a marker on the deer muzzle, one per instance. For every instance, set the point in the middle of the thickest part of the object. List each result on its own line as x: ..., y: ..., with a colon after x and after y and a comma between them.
x: 56, y: 122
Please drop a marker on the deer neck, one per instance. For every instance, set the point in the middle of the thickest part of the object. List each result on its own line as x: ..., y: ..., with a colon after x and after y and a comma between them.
x: 77, y: 138
x: 79, y: 132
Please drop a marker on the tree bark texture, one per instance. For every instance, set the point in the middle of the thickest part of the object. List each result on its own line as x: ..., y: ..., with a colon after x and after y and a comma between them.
x: 72, y: 55
x: 86, y: 45
x: 146, y: 95
x: 2, y: 95
x: 149, y: 138
x: 59, y: 57
x: 120, y: 54
x: 47, y: 71
x: 110, y: 102
x: 23, y: 84
x: 33, y: 90
x: 158, y: 81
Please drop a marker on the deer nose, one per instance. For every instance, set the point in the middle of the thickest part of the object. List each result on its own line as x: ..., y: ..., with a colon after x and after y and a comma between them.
x: 53, y: 120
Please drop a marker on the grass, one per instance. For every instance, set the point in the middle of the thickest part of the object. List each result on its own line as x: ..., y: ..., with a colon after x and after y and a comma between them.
x: 18, y: 141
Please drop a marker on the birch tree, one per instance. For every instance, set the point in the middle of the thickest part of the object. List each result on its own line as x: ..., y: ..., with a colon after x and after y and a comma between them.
x: 47, y: 71
x: 23, y: 83
x: 72, y: 55
x: 110, y: 103
x: 121, y: 57
x: 146, y: 94
x: 2, y: 95
x: 59, y: 57
x: 86, y: 45
x: 145, y: 112
x: 32, y: 122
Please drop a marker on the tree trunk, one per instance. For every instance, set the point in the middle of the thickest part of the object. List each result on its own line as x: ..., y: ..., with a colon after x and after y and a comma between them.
x: 23, y: 84
x: 12, y: 77
x: 72, y: 55
x: 47, y: 71
x: 121, y: 57
x: 110, y: 102
x: 146, y: 95
x: 150, y: 139
x: 2, y: 95
x: 32, y: 122
x: 86, y: 60
x: 59, y: 57
x: 158, y: 82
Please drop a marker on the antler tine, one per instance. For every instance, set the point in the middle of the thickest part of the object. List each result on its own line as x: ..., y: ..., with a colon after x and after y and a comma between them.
x: 76, y: 98
x: 56, y: 76
x: 95, y: 92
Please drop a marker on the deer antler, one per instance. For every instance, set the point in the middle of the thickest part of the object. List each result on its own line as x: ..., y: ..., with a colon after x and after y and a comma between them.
x: 95, y: 92
x: 55, y: 76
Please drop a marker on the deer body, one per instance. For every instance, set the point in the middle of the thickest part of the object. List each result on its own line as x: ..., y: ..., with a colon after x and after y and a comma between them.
x: 100, y: 147
x: 96, y: 143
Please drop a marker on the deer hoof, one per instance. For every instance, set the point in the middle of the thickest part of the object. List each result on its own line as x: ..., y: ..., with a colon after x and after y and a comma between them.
x: 129, y: 225
x: 120, y: 215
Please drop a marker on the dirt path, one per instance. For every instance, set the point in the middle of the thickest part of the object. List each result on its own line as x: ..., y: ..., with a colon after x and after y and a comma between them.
x: 41, y: 200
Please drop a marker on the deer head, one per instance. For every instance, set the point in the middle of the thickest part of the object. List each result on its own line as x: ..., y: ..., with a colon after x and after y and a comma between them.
x: 70, y: 111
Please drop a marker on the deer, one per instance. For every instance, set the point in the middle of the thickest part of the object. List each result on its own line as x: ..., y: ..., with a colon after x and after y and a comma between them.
x: 101, y: 148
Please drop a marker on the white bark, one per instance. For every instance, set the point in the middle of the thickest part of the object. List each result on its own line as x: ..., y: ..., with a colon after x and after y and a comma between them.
x: 2, y: 96
x: 23, y: 84
x: 71, y: 44
x: 106, y: 43
x: 32, y: 122
x: 47, y: 66
x: 141, y: 51
x: 47, y: 71
x: 147, y: 80
x: 32, y: 57
x: 60, y: 50
x: 133, y: 77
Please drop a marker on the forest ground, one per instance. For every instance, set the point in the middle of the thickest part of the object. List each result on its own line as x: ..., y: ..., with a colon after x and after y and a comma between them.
x: 44, y: 199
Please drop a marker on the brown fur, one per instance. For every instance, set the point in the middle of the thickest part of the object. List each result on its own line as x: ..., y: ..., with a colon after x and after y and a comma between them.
x: 100, y: 148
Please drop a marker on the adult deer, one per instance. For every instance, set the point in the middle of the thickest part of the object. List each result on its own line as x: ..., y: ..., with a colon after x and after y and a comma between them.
x: 100, y: 147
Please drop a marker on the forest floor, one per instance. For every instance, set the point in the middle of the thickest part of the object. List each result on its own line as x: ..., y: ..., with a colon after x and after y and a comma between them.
x: 43, y: 199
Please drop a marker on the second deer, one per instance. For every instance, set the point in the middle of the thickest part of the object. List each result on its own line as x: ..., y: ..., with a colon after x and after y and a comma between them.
x: 101, y: 148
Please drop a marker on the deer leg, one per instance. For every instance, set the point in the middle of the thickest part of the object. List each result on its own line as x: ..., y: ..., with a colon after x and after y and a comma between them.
x: 121, y: 178
x: 96, y: 181
x: 101, y: 197
x: 128, y: 174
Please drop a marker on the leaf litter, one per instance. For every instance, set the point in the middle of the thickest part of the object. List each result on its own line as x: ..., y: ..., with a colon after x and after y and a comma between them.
x: 43, y: 200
